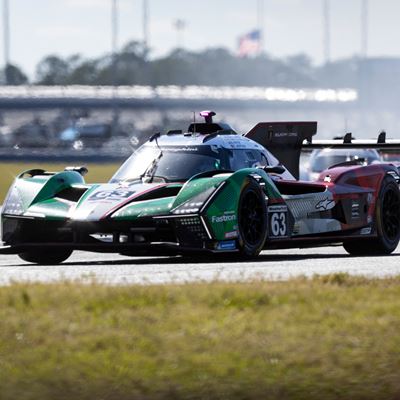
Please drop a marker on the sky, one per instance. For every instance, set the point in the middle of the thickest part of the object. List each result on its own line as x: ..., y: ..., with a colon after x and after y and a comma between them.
x: 66, y: 27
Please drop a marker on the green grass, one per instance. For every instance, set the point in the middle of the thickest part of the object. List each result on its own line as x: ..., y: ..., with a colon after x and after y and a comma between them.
x: 8, y: 171
x: 335, y: 337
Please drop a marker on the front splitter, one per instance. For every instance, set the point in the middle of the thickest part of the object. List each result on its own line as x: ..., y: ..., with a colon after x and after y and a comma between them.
x: 147, y: 249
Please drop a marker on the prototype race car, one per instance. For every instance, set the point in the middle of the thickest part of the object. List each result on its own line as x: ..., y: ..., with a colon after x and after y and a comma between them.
x: 322, y: 159
x: 207, y: 190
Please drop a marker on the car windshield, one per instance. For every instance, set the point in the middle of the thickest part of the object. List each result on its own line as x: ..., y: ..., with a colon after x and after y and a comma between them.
x: 324, y: 161
x: 391, y: 156
x: 169, y: 163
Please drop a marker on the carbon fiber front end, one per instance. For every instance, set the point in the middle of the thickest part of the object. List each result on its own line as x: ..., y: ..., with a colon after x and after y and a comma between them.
x: 127, y: 237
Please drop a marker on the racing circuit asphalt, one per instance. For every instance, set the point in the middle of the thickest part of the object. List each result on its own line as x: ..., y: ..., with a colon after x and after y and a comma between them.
x: 270, y: 265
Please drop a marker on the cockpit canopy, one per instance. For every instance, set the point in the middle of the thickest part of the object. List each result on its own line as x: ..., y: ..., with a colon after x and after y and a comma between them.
x: 180, y: 163
x: 207, y: 146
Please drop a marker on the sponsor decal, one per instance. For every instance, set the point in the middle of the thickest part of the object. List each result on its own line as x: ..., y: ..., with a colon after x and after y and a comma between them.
x: 285, y: 134
x: 183, y: 149
x: 227, y: 217
x: 277, y: 208
x: 230, y: 235
x: 325, y: 204
x: 234, y: 143
x: 226, y: 245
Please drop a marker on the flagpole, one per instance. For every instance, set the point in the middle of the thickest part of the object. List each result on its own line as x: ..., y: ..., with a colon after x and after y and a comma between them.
x: 114, y: 39
x: 327, y: 31
x: 6, y: 33
x: 179, y: 25
x: 114, y: 66
x: 364, y: 28
x: 260, y: 23
x: 145, y: 25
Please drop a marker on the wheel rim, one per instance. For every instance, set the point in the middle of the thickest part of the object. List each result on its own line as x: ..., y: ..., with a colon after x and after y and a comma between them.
x: 251, y: 218
x: 391, y: 214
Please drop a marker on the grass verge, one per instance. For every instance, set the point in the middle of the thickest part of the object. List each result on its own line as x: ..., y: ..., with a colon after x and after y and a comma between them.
x: 8, y: 171
x: 333, y: 337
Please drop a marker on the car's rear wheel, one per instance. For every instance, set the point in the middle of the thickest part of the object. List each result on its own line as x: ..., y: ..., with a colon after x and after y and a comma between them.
x: 45, y: 257
x: 387, y: 223
x: 252, y: 220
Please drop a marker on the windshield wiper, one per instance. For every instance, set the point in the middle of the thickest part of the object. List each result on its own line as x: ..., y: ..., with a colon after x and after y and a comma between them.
x: 152, y: 167
x: 147, y: 175
x: 150, y: 172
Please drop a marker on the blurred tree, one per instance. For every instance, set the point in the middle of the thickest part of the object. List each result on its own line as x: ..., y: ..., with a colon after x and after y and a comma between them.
x: 85, y: 73
x: 177, y: 68
x: 212, y: 66
x: 130, y: 66
x: 13, y: 75
x: 52, y: 70
x: 341, y: 73
x: 302, y: 72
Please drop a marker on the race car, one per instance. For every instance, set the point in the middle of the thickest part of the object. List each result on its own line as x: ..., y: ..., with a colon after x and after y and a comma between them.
x: 206, y: 191
x: 322, y: 159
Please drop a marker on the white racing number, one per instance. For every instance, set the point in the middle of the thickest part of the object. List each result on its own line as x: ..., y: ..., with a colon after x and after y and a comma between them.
x: 112, y: 195
x: 277, y: 216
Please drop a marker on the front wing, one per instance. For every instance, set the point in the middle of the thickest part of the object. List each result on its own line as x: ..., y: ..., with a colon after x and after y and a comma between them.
x: 160, y: 235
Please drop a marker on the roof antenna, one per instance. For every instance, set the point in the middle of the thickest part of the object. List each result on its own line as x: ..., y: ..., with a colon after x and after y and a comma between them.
x: 194, y: 123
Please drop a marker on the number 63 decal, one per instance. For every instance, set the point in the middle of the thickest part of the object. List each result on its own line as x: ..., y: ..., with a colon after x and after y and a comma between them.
x: 111, y: 195
x: 277, y: 218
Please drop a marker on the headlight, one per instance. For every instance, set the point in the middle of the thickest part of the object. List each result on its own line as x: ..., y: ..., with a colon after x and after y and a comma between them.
x: 194, y: 204
x: 13, y: 204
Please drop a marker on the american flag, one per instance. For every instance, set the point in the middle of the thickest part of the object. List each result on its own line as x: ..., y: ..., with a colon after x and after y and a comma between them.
x: 249, y: 44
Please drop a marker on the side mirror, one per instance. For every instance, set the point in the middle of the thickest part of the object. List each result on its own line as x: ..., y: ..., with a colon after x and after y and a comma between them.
x: 81, y: 170
x: 276, y: 169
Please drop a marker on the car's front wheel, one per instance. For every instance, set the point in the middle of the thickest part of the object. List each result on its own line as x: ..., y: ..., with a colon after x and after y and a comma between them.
x: 252, y: 220
x: 387, y: 216
x: 45, y: 257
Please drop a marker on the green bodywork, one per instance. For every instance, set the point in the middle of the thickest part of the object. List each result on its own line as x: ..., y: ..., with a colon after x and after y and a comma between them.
x: 222, y: 214
x: 39, y: 198
x: 37, y: 194
x: 140, y: 209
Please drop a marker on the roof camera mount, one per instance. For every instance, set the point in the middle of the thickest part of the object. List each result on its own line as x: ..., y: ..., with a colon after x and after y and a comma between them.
x: 208, y: 116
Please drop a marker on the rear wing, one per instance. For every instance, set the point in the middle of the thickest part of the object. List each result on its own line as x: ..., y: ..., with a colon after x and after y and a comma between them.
x: 286, y: 140
x: 349, y: 143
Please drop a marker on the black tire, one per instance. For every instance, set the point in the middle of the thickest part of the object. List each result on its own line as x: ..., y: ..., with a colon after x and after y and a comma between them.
x: 252, y: 222
x: 45, y: 257
x: 387, y: 216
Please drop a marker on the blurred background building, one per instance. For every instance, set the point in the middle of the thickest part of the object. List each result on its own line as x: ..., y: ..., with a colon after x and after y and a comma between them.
x: 102, y: 75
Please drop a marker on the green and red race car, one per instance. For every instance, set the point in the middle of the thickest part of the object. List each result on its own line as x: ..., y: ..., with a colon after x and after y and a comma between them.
x: 207, y: 190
